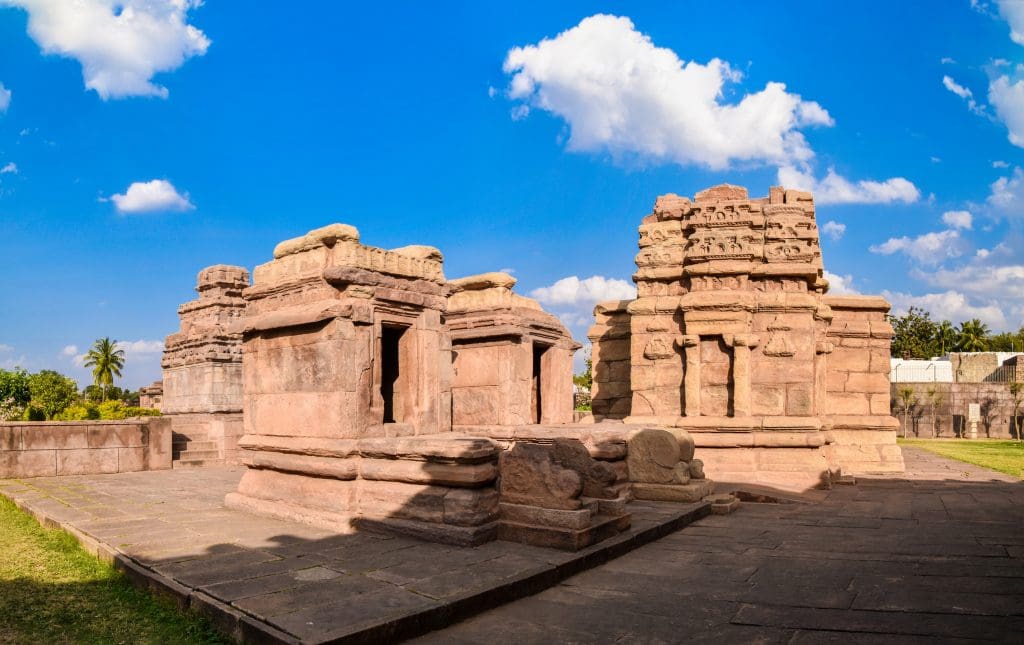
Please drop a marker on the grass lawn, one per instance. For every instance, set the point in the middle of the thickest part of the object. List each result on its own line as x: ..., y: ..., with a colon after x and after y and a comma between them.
x: 51, y: 591
x: 1004, y: 456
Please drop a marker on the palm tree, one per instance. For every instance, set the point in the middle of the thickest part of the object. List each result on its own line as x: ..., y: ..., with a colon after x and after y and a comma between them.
x: 972, y: 336
x: 106, y: 361
x: 945, y: 336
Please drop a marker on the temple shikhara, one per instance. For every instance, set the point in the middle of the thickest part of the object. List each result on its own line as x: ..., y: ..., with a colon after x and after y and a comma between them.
x: 361, y: 387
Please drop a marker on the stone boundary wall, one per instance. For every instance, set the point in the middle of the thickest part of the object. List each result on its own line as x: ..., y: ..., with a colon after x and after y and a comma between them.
x: 950, y: 415
x: 46, y: 449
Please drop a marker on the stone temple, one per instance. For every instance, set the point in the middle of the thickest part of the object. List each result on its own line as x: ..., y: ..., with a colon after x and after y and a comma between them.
x: 371, y: 391
x: 733, y: 339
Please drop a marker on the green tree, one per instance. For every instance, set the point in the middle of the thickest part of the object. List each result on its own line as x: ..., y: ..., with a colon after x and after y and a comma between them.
x: 945, y: 337
x: 106, y: 361
x: 1017, y: 392
x: 915, y: 333
x: 586, y: 378
x: 14, y: 393
x: 907, y: 400
x: 972, y: 336
x: 935, y: 398
x: 52, y: 392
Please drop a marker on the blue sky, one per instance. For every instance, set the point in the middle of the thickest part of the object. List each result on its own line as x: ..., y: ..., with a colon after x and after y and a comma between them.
x: 141, y: 141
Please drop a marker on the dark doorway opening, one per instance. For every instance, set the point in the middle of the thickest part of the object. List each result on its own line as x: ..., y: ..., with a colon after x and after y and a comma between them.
x: 537, y: 386
x: 390, y: 372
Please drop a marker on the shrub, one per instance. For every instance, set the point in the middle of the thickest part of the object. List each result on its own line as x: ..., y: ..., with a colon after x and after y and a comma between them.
x: 78, y: 412
x: 135, y: 411
x: 52, y: 392
x: 111, y: 410
x: 33, y: 413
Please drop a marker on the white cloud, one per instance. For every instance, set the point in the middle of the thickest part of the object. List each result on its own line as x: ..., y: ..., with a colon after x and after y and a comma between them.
x: 946, y: 60
x: 957, y: 219
x: 836, y: 189
x: 6, y: 348
x: 69, y: 350
x: 949, y: 305
x: 590, y: 291
x: 840, y: 285
x: 956, y: 88
x: 929, y: 248
x: 121, y: 44
x: 835, y: 230
x: 998, y: 163
x: 10, y: 168
x: 5, y: 98
x: 622, y: 94
x: 149, y: 196
x: 1007, y: 194
x: 1013, y: 12
x: 1009, y: 104
x: 965, y: 94
x: 135, y: 347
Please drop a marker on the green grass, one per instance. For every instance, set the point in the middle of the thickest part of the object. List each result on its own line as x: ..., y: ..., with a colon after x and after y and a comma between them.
x: 52, y: 591
x: 1004, y: 456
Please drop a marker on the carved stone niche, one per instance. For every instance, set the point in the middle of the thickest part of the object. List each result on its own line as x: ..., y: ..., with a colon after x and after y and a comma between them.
x: 779, y: 343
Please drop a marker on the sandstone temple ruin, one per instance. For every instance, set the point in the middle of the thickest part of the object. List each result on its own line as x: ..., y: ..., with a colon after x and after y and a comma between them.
x: 733, y: 339
x: 361, y: 387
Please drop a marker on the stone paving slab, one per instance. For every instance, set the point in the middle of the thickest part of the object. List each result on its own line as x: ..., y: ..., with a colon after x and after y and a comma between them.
x: 932, y: 556
x: 261, y: 579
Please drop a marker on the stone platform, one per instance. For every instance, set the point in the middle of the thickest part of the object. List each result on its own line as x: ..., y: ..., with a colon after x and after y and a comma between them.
x: 262, y: 579
x: 933, y: 555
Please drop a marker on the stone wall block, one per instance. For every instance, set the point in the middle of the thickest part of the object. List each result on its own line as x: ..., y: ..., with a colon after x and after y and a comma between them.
x: 92, y: 461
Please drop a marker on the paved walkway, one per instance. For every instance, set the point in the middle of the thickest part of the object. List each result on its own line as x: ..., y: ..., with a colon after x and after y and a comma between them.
x: 256, y: 576
x: 935, y: 556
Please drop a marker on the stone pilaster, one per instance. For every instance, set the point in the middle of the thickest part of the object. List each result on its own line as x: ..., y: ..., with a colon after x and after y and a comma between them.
x: 741, y: 345
x: 691, y: 378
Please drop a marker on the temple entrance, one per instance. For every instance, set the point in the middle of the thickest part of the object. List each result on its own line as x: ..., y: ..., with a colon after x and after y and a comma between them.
x: 391, y: 381
x: 537, y: 384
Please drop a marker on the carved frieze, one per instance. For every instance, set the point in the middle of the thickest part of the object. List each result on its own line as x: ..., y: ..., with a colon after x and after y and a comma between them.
x: 724, y: 244
x: 791, y: 251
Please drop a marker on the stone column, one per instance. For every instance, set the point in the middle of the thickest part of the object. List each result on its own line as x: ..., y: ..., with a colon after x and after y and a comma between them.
x: 691, y: 379
x: 741, y: 345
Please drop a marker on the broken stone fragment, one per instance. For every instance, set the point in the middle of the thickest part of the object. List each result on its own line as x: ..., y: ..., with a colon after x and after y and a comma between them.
x: 530, y: 476
x: 482, y: 281
x: 325, y: 236
x: 654, y: 457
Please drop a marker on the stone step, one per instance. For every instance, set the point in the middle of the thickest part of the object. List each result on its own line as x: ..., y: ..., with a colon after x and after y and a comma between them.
x: 198, y: 454
x: 197, y: 463
x: 193, y: 445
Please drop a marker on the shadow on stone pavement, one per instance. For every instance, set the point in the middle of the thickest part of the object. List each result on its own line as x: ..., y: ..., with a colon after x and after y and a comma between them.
x: 935, y: 555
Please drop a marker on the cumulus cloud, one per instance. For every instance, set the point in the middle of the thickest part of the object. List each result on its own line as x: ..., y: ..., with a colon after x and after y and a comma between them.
x: 948, y: 305
x: 840, y: 285
x: 1012, y: 11
x: 835, y: 230
x: 1007, y: 194
x: 10, y: 168
x: 150, y: 196
x: 121, y: 44
x: 589, y: 291
x: 622, y: 94
x: 929, y: 248
x: 998, y: 163
x: 957, y: 219
x: 836, y: 189
x: 1008, y: 100
x: 5, y: 98
x: 69, y: 350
